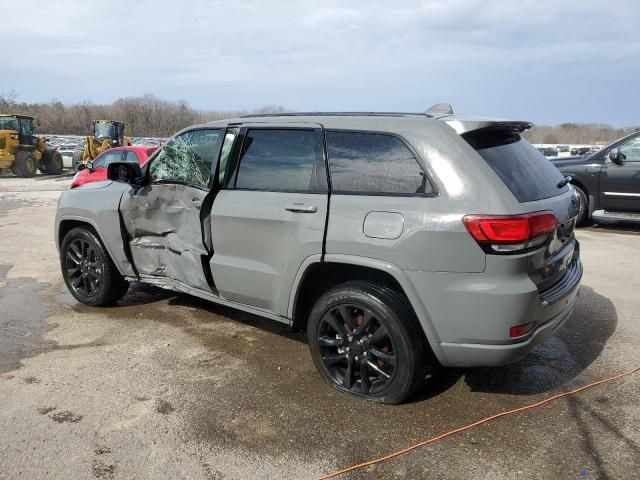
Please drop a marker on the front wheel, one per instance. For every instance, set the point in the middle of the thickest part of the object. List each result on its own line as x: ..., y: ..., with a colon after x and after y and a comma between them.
x: 365, y: 340
x: 52, y: 162
x: 90, y: 274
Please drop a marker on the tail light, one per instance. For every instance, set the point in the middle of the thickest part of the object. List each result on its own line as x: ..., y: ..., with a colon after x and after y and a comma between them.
x: 511, y: 233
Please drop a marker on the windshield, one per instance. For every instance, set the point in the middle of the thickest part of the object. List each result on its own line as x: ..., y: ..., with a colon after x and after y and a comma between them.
x: 8, y: 123
x: 104, y: 130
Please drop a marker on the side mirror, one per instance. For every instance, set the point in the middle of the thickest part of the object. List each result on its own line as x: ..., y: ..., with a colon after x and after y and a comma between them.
x: 89, y: 166
x: 125, y: 172
x: 81, y: 167
x: 616, y: 156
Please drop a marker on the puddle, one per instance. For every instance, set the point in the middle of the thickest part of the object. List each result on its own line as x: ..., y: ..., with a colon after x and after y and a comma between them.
x: 22, y: 320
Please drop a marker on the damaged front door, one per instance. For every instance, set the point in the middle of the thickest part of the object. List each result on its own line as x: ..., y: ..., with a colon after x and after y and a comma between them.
x: 164, y: 218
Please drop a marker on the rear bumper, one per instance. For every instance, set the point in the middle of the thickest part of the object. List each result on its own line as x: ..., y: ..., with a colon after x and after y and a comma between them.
x: 471, y: 314
x: 475, y: 355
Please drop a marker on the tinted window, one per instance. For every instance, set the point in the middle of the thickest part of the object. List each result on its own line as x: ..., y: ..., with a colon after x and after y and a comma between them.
x: 130, y: 156
x: 373, y: 163
x: 281, y: 160
x: 106, y: 158
x: 630, y: 151
x: 186, y: 158
x: 522, y: 168
x: 26, y: 126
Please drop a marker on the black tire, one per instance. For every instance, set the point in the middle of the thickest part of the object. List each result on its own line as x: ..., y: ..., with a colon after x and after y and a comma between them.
x: 25, y: 164
x: 52, y: 162
x: 583, y: 218
x: 88, y: 271
x: 379, y: 334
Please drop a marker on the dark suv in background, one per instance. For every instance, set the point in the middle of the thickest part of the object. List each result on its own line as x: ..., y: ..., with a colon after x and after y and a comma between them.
x: 607, y: 181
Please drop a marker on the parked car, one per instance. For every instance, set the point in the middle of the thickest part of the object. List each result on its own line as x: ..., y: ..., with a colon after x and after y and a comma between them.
x: 578, y: 151
x: 607, y: 181
x: 548, y: 151
x: 96, y: 171
x: 563, y: 148
x: 67, y: 156
x: 399, y: 242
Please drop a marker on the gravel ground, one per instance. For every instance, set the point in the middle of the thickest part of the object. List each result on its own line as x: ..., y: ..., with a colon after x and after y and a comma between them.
x: 168, y: 386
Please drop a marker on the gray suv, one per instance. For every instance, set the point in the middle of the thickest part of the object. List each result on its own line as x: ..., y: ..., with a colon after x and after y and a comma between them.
x: 399, y: 242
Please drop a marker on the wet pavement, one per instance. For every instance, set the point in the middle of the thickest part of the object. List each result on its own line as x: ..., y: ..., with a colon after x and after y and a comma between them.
x: 168, y: 386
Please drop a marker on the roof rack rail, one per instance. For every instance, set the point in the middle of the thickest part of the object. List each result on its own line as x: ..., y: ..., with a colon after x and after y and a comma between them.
x: 338, y: 114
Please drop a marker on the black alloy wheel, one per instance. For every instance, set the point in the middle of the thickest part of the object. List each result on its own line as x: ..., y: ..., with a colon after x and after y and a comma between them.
x: 84, y: 268
x: 366, y: 340
x: 356, y: 349
x: 90, y: 274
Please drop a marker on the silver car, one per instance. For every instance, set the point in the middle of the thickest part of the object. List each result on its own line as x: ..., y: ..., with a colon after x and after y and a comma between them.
x: 399, y: 242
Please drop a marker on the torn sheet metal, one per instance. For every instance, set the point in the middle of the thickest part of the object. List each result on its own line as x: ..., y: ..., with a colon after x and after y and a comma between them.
x: 164, y: 228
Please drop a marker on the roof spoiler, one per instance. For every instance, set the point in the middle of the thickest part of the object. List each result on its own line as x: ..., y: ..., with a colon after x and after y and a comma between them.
x: 462, y: 125
x: 439, y: 109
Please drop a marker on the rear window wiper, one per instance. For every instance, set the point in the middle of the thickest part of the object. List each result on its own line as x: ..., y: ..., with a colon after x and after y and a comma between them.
x: 564, y: 181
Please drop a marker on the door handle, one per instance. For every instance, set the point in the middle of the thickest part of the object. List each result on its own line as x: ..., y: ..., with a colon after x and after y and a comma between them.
x: 301, y: 208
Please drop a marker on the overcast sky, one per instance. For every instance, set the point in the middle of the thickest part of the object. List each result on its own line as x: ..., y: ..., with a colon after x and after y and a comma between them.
x: 545, y: 61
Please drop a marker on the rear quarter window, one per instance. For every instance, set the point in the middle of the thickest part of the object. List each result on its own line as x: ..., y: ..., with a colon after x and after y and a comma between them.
x: 373, y: 163
x: 521, y: 167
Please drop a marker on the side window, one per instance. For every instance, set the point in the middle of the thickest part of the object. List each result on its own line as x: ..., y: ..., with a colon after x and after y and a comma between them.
x: 373, y: 163
x: 130, y: 157
x: 106, y: 158
x: 281, y: 160
x: 26, y: 126
x: 186, y: 158
x: 631, y: 150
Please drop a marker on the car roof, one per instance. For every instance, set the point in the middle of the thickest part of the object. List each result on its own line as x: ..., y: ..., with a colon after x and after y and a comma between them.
x: 132, y: 148
x: 383, y: 121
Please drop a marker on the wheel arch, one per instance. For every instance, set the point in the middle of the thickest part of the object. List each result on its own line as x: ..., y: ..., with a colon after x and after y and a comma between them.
x: 591, y: 199
x: 315, y: 277
x: 66, y: 224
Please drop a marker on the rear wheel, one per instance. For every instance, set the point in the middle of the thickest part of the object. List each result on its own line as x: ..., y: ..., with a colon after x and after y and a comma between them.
x: 87, y: 269
x: 583, y: 216
x: 52, y: 162
x: 25, y: 164
x: 365, y: 340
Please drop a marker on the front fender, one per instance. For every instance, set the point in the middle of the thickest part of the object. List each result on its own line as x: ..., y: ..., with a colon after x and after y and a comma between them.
x: 97, y: 205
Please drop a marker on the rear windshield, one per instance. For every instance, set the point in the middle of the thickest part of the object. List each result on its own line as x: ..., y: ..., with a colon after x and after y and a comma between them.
x: 522, y: 168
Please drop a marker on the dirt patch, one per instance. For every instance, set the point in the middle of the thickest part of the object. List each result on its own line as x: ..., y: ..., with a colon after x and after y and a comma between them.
x: 65, y: 417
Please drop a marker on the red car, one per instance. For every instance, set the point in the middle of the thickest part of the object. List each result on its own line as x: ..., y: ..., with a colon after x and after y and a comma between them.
x: 98, y: 170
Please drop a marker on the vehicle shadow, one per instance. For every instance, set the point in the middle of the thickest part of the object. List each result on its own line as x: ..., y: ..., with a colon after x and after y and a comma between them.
x: 549, y: 365
x: 559, y: 358
x: 630, y: 227
x: 246, y: 318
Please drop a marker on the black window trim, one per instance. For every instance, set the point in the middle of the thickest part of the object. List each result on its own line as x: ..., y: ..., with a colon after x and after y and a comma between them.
x: 417, y: 157
x: 155, y: 154
x: 231, y: 176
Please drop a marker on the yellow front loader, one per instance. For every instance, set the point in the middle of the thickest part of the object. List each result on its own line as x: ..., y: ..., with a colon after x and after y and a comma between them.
x: 23, y: 152
x: 105, y: 134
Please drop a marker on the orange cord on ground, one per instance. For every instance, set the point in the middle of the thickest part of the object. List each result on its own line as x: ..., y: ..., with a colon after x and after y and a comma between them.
x: 475, y: 424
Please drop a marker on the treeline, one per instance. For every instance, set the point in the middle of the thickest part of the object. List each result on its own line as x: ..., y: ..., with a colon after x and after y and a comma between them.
x: 145, y: 116
x: 577, y: 133
x: 148, y: 116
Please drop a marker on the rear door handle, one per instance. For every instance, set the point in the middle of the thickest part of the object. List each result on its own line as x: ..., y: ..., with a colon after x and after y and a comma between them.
x: 301, y: 208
